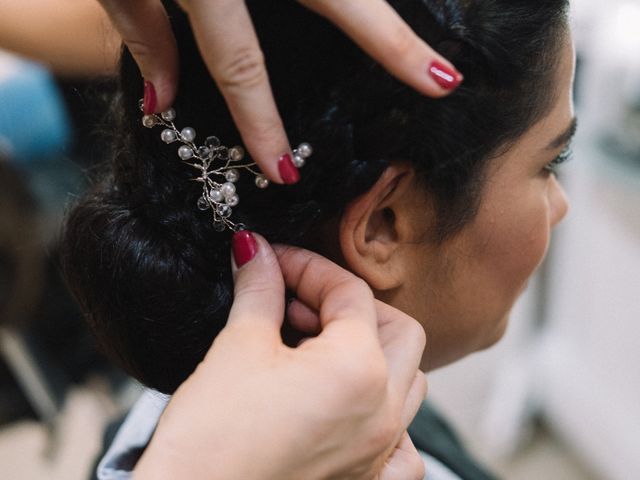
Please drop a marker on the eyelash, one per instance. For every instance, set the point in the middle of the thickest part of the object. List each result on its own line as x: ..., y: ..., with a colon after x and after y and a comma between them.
x: 553, y: 165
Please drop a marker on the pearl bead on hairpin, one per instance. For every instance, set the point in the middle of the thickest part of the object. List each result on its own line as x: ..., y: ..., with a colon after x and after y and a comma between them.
x: 218, y: 182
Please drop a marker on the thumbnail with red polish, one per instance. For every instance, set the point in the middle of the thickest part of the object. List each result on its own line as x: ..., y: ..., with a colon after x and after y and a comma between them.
x: 245, y: 247
x: 446, y: 77
x: 288, y: 171
x: 150, y: 100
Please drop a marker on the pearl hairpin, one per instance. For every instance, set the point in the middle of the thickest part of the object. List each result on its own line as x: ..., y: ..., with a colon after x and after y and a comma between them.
x: 218, y: 182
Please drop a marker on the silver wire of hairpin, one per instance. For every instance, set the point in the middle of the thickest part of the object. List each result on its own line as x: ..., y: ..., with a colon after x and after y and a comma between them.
x: 218, y: 196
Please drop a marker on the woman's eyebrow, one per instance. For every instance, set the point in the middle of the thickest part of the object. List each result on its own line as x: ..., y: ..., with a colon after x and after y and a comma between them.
x: 565, y: 137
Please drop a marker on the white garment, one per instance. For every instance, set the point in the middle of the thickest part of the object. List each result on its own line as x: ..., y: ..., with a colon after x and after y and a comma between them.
x: 134, y: 433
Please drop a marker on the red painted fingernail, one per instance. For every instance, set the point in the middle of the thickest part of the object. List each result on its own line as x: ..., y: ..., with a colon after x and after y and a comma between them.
x: 245, y: 247
x: 446, y: 77
x: 150, y: 100
x: 288, y: 171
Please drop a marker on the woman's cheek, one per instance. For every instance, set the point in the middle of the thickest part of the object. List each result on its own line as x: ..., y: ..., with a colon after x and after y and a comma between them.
x: 535, y: 240
x: 524, y: 244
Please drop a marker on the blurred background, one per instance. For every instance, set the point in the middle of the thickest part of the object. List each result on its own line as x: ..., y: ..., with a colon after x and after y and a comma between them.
x: 558, y: 398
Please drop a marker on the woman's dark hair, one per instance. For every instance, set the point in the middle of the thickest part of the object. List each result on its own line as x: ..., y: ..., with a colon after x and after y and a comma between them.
x: 150, y: 272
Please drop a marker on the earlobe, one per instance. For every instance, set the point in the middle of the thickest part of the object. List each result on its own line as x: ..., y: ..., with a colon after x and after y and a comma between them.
x: 376, y: 228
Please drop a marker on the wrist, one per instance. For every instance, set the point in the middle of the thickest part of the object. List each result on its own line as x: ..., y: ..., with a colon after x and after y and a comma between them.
x: 160, y: 464
x: 168, y: 460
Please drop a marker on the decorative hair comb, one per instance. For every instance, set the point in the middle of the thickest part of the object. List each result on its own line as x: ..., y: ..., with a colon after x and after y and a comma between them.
x: 218, y: 167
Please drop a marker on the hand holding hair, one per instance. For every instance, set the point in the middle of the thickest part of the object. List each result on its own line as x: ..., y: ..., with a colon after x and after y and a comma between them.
x: 330, y: 408
x: 230, y: 48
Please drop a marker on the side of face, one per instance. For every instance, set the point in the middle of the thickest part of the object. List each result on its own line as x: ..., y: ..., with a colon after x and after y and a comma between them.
x: 463, y: 290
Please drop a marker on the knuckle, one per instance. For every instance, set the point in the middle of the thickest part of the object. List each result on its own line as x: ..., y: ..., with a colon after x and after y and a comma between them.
x: 253, y: 289
x: 418, y: 334
x: 402, y: 42
x: 368, y: 379
x: 267, y: 130
x: 413, y: 334
x: 384, y: 436
x: 360, y: 284
x: 418, y: 470
x: 359, y: 381
x: 345, y: 281
x: 139, y: 49
x: 285, y: 254
x: 245, y: 68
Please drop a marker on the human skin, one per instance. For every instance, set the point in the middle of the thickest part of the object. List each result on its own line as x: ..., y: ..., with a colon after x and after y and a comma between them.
x: 463, y: 289
x: 328, y: 409
x: 74, y: 39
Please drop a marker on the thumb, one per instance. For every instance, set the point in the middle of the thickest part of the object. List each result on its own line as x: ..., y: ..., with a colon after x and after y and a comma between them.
x: 259, y: 286
x: 146, y: 30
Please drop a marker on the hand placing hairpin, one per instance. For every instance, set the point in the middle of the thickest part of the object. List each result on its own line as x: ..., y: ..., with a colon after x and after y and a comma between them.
x: 230, y: 48
x: 218, y: 167
x: 333, y: 408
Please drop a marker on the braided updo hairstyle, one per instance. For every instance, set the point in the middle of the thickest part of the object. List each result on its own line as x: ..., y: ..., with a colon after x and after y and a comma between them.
x: 148, y: 269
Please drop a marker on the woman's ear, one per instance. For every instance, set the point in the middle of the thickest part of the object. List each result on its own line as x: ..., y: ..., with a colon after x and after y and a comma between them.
x: 380, y: 229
